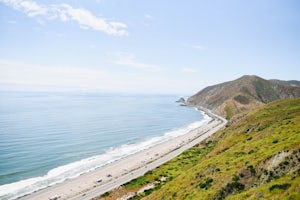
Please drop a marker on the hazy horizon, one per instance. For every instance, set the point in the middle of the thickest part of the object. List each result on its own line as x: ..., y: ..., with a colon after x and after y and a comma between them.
x: 145, y: 47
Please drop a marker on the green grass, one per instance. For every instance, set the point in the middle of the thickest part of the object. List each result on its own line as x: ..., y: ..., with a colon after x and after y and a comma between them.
x: 239, y: 151
x: 174, y: 167
x: 285, y: 187
x: 229, y: 112
x: 232, y: 164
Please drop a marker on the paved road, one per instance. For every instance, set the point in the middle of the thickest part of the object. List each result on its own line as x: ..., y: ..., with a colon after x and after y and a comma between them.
x: 141, y: 171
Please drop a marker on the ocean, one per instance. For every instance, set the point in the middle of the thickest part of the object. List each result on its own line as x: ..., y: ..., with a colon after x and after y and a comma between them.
x: 49, y: 137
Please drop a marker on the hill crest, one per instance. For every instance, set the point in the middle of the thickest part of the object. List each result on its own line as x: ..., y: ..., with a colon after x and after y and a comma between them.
x: 243, y: 94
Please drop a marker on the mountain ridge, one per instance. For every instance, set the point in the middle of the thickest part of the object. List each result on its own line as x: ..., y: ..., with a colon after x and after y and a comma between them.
x: 243, y: 94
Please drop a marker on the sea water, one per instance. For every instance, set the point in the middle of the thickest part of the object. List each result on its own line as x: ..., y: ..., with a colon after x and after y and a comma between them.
x: 47, y: 138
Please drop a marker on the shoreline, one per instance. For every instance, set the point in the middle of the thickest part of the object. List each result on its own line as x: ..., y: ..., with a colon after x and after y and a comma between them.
x: 112, y: 175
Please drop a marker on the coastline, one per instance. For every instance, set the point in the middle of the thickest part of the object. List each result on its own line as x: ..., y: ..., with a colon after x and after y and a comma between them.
x: 110, y: 176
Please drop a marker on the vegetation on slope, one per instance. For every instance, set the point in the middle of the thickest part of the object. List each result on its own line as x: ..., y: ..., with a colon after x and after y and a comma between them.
x: 244, y: 94
x: 164, y: 173
x: 255, y: 158
x: 258, y: 157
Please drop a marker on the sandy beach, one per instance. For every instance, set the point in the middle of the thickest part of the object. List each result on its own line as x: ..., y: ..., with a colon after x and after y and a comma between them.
x: 113, y: 175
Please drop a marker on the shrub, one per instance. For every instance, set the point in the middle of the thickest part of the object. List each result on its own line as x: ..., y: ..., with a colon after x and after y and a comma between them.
x: 251, y: 169
x: 275, y: 141
x: 229, y: 189
x: 235, y: 178
x: 251, y: 151
x: 242, y: 99
x: 229, y: 112
x: 147, y: 192
x: 235, y: 186
x: 174, y: 195
x: 281, y: 187
x: 136, y: 182
x: 207, y: 184
x: 106, y: 194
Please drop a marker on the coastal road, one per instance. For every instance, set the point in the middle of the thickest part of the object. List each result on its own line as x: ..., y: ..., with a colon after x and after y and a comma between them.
x: 141, y: 171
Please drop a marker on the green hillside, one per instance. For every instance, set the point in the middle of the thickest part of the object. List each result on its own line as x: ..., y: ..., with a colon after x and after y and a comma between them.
x: 255, y: 158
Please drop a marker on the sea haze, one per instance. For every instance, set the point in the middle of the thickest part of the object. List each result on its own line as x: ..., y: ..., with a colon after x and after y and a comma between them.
x: 46, y: 138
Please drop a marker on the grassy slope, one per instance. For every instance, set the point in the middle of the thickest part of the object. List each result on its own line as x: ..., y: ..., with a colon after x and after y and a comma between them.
x: 235, y: 162
x: 240, y: 147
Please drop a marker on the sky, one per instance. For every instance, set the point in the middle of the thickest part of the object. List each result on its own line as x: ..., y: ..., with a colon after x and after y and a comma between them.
x: 138, y: 46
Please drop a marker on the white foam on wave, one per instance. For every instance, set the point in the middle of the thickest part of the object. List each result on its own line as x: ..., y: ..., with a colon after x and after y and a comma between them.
x: 75, y: 169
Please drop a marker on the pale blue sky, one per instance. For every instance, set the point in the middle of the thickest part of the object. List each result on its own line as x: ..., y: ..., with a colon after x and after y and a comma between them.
x: 145, y: 46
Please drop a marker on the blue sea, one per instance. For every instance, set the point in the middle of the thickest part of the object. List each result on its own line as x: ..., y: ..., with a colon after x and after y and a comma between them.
x: 46, y: 138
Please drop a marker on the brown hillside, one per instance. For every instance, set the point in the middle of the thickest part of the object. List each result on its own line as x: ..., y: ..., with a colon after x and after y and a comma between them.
x: 243, y: 94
